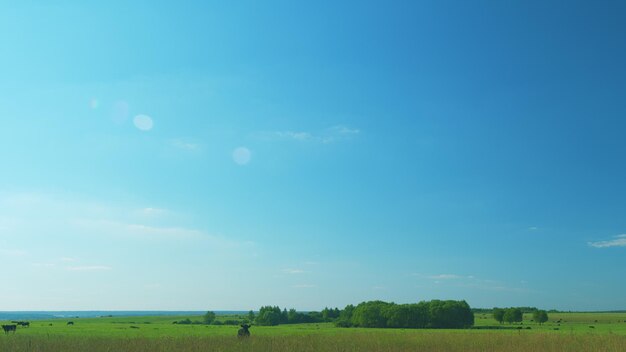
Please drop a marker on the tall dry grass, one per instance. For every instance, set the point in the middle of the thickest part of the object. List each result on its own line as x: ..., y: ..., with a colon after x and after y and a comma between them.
x: 431, y: 342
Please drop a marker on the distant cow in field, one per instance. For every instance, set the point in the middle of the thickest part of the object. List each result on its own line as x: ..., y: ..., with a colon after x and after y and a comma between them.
x: 70, y: 323
x: 22, y: 323
x: 244, y: 332
x: 8, y: 328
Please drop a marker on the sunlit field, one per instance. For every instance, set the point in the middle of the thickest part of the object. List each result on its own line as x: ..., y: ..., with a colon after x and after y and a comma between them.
x: 574, y: 332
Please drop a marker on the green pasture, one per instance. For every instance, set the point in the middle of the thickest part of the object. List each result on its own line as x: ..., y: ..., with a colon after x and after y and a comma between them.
x: 609, y: 323
x: 159, y: 334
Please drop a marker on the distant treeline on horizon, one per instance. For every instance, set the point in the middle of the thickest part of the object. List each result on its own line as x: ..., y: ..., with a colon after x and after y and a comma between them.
x: 45, y: 315
x: 533, y: 309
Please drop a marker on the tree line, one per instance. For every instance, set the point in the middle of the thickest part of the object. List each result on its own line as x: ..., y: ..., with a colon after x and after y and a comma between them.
x: 372, y: 314
x: 425, y: 314
x: 378, y: 314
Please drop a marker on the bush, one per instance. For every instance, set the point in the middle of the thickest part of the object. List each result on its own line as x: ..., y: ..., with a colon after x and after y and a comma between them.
x: 343, y: 323
x: 232, y: 322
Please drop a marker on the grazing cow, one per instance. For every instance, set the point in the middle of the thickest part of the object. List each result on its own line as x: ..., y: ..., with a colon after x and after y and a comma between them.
x: 70, y: 323
x: 244, y: 332
x: 24, y: 323
x: 8, y: 328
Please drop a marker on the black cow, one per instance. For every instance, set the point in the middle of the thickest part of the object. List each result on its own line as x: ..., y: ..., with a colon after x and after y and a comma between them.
x: 244, y: 332
x: 8, y: 328
x: 70, y: 323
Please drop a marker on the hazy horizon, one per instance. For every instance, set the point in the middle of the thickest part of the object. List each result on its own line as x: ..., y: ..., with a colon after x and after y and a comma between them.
x: 233, y: 155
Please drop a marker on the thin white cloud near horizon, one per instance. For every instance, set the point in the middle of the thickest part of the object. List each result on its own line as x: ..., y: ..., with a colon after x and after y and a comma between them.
x: 329, y: 135
x: 89, y: 268
x: 444, y: 276
x: 617, y: 241
x: 79, y: 217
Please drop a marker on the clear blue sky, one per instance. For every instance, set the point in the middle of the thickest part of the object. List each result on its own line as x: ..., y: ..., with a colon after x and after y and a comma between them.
x: 228, y: 155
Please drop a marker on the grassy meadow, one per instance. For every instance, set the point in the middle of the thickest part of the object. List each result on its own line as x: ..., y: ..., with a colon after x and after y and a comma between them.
x: 574, y: 332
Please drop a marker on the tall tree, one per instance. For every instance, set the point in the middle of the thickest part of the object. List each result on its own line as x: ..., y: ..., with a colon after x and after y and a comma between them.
x: 540, y: 316
x: 513, y: 315
x: 498, y: 315
x: 208, y: 318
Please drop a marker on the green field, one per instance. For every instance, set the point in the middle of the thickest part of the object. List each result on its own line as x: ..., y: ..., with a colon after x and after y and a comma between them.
x: 574, y: 332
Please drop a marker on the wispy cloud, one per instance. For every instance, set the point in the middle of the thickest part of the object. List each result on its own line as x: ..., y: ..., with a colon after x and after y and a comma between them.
x: 67, y: 259
x: 444, y: 276
x: 185, y: 144
x: 465, y: 281
x: 12, y: 252
x: 89, y: 268
x: 617, y: 241
x: 299, y: 136
x: 328, y: 135
x: 43, y: 265
x: 344, y: 130
x: 136, y: 230
x: 175, y: 232
x: 293, y: 271
x: 153, y: 211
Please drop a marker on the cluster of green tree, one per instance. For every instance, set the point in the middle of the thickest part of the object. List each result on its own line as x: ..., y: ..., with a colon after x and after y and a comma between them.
x: 509, y: 315
x: 269, y: 315
x: 431, y: 314
x: 516, y: 314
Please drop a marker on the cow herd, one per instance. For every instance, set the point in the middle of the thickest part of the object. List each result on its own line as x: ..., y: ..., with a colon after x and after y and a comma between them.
x: 13, y: 327
x: 242, y: 333
x: 9, y: 328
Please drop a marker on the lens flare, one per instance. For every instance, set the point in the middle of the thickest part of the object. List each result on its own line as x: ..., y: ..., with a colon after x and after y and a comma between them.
x: 242, y: 155
x: 143, y: 122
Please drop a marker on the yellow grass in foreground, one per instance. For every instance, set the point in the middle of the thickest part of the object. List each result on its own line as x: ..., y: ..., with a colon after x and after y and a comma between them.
x: 432, y: 342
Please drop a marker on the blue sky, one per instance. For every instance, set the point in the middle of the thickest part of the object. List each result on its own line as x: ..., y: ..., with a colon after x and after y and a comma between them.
x: 228, y: 155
